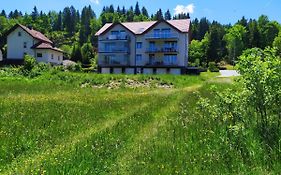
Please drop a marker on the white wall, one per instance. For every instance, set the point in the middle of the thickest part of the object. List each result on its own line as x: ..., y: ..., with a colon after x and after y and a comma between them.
x: 47, y: 56
x: 15, y: 43
x: 131, y: 42
x: 182, y: 44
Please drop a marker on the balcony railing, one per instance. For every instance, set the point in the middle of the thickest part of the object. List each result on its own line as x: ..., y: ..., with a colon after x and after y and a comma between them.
x: 120, y: 37
x: 162, y: 36
x: 162, y: 50
x: 160, y: 62
x: 114, y: 62
x: 114, y: 50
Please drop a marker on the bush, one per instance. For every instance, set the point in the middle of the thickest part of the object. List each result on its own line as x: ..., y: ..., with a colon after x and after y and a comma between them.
x: 29, y: 63
x: 213, y: 67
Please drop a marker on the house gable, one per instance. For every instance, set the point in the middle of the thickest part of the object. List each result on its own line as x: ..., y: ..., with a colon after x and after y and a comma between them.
x: 19, y: 43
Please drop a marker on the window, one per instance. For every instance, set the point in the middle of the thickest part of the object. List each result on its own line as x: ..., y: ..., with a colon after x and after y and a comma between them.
x: 122, y: 35
x: 170, y: 46
x: 170, y: 59
x: 138, y: 59
x: 151, y: 44
x: 52, y: 56
x: 139, y: 45
x: 114, y: 32
x: 166, y: 33
x: 156, y: 32
x: 19, y: 33
x: 24, y: 45
x: 109, y: 47
x: 39, y: 55
x: 58, y: 58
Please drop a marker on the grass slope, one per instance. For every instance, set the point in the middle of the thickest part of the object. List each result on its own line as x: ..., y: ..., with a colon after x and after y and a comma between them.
x: 51, y: 125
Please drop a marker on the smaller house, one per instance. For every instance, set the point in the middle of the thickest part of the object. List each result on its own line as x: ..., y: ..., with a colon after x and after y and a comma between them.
x: 22, y: 40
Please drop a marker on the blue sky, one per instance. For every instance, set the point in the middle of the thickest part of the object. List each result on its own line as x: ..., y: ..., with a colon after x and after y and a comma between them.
x: 224, y: 11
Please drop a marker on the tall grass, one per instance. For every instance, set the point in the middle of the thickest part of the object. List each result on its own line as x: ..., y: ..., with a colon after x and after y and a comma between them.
x: 51, y: 125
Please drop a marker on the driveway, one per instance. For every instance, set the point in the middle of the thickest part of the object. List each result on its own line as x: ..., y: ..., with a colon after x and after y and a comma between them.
x: 228, y: 73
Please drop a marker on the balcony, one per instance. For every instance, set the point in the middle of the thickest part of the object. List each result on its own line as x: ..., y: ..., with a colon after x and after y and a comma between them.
x: 162, y: 36
x: 162, y: 50
x: 114, y: 50
x: 161, y: 63
x: 120, y: 37
x: 120, y: 61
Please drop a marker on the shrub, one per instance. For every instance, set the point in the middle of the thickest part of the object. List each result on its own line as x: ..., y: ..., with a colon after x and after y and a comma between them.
x: 213, y: 67
x: 29, y: 63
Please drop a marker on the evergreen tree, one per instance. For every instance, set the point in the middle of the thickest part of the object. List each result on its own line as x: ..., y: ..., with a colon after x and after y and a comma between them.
x: 254, y: 35
x: 34, y: 13
x: 168, y: 15
x: 159, y: 15
x: 111, y: 9
x: 11, y: 15
x: 118, y: 10
x: 203, y: 28
x: 137, y: 9
x: 58, y: 22
x: 123, y: 11
x: 195, y: 29
x: 76, y: 53
x: 3, y: 13
x: 243, y: 22
x: 144, y: 12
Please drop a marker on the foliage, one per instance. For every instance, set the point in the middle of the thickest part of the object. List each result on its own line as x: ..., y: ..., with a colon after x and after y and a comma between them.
x: 250, y: 114
x: 234, y: 42
x: 277, y: 43
x: 29, y: 63
x: 87, y: 53
x: 196, y: 51
x: 213, y: 67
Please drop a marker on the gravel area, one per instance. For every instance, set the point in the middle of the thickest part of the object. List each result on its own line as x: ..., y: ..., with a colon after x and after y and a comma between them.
x: 228, y: 73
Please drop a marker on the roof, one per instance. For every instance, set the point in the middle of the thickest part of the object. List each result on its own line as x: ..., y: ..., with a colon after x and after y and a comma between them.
x: 33, y: 33
x: 138, y: 28
x: 42, y: 45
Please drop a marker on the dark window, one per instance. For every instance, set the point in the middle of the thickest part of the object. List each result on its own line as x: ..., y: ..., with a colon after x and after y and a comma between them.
x: 19, y: 33
x: 24, y: 45
x: 52, y: 56
x: 39, y: 55
x: 139, y: 45
x: 114, y: 32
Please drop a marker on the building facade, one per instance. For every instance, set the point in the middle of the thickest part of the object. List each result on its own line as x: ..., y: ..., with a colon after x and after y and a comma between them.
x: 22, y: 40
x: 154, y: 47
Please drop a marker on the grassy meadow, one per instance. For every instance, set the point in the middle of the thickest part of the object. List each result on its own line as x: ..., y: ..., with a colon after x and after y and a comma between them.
x: 78, y: 123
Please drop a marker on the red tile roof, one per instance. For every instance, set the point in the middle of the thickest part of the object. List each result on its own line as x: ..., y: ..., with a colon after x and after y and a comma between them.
x: 35, y: 34
x: 42, y: 45
x: 137, y: 28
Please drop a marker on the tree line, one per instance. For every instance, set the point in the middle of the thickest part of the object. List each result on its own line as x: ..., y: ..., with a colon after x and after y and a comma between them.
x: 71, y: 29
x: 214, y: 42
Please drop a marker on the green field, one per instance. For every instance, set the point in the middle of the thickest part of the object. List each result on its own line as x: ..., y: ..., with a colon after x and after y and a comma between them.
x: 75, y: 123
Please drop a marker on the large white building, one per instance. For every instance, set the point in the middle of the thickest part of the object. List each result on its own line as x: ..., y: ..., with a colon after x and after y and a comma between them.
x: 23, y: 40
x: 153, y: 47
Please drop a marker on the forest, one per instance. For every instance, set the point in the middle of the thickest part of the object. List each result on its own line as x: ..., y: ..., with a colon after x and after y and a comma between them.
x: 74, y: 32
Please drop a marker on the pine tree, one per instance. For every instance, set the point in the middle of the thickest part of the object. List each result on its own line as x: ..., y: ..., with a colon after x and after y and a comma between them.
x: 3, y: 13
x: 123, y: 11
x: 159, y: 15
x: 144, y: 12
x: 168, y: 15
x: 34, y: 13
x: 111, y: 9
x: 137, y: 9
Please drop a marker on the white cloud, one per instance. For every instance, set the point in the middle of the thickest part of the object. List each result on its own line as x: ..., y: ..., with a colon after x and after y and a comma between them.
x: 184, y: 9
x: 95, y: 1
